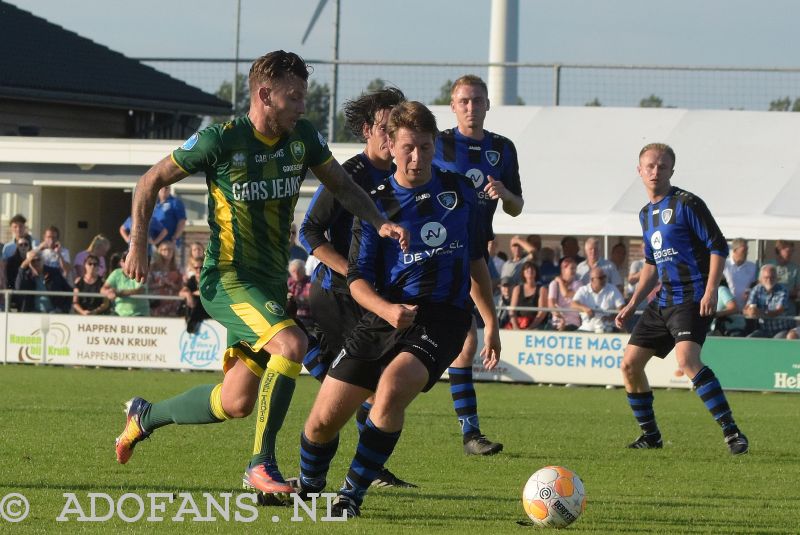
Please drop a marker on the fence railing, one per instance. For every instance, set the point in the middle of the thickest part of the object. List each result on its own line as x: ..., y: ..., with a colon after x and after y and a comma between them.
x: 540, y: 84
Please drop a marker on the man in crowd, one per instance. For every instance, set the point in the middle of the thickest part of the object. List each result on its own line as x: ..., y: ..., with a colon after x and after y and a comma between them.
x: 767, y: 301
x: 594, y: 300
x: 740, y: 272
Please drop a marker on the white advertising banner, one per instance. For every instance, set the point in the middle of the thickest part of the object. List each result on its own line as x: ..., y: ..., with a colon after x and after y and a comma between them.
x: 570, y: 357
x: 113, y: 341
x: 527, y: 356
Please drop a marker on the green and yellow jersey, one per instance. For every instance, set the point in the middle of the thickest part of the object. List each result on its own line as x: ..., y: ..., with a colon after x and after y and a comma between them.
x: 253, y: 184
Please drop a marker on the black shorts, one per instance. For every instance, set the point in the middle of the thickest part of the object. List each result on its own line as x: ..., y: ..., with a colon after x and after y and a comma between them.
x: 435, y: 338
x: 335, y: 315
x: 660, y: 329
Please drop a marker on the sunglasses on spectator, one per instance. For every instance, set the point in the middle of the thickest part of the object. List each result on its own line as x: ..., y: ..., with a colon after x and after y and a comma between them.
x: 602, y: 277
x: 91, y: 263
x: 23, y: 244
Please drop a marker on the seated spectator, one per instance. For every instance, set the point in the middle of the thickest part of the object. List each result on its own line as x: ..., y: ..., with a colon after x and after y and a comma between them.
x: 597, y: 302
x: 535, y: 241
x: 728, y: 320
x: 13, y: 262
x: 788, y: 272
x: 164, y: 279
x: 503, y: 302
x: 520, y: 253
x: 54, y: 255
x: 619, y: 257
x: 569, y: 247
x: 98, y: 247
x: 548, y: 270
x: 529, y: 293
x: 767, y: 301
x: 89, y: 282
x: 494, y: 259
x: 739, y: 272
x: 119, y: 289
x: 593, y: 259
x: 19, y: 230
x: 195, y: 312
x: 299, y: 287
x: 197, y: 251
x: 559, y: 295
x: 33, y: 276
x: 634, y: 272
x: 156, y: 232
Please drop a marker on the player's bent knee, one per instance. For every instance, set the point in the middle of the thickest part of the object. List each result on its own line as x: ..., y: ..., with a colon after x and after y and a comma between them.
x: 238, y: 406
x: 291, y: 343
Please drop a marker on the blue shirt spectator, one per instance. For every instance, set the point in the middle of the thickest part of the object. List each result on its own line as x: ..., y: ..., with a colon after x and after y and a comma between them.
x: 171, y: 213
x: 767, y: 301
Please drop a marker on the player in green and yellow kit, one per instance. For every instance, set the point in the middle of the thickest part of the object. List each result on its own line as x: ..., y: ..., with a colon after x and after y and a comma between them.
x: 254, y: 166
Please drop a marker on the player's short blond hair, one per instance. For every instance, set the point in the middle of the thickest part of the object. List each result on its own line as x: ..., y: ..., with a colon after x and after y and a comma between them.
x: 659, y: 147
x: 469, y: 79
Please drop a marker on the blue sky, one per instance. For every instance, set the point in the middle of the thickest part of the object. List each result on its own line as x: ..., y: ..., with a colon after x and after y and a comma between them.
x: 680, y: 32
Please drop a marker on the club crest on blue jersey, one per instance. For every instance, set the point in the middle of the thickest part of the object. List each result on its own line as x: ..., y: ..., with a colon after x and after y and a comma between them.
x: 493, y: 157
x: 666, y: 215
x: 447, y: 199
x: 191, y: 142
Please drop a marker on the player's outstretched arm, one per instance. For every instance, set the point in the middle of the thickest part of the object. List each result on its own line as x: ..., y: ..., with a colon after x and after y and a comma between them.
x: 481, y: 293
x: 356, y: 201
x: 647, y: 281
x: 162, y: 174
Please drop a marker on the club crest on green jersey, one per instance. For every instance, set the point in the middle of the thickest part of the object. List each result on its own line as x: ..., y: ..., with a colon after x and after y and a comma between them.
x: 298, y: 150
x: 274, y: 308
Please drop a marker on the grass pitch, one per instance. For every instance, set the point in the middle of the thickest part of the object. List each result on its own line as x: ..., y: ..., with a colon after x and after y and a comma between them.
x: 57, y: 429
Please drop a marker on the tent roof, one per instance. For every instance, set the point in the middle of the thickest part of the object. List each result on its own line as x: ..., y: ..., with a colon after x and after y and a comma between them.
x: 578, y: 167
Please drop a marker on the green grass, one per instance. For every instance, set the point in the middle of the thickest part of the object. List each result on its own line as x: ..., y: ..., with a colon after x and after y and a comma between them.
x: 57, y: 427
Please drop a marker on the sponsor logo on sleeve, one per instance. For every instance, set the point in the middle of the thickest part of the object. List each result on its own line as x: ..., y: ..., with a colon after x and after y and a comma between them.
x: 275, y: 308
x: 191, y: 142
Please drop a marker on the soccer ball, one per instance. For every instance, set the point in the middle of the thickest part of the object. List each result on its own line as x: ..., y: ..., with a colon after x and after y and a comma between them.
x: 554, y: 497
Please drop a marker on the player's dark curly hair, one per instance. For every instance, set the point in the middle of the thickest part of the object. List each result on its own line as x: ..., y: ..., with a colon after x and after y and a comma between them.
x: 362, y: 110
x: 275, y: 65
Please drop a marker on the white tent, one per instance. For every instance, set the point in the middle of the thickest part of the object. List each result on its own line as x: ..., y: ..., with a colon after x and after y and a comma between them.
x: 578, y: 167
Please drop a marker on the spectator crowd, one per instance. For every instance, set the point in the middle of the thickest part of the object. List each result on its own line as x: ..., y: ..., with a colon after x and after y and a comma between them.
x: 532, y: 290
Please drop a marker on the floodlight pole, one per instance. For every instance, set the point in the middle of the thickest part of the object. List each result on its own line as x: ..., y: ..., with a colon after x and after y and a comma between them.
x: 236, y: 59
x: 503, y: 48
x: 335, y: 81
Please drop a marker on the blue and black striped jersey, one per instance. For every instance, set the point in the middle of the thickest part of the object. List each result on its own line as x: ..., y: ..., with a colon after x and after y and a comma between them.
x: 680, y: 234
x: 493, y: 155
x: 326, y: 221
x: 442, y: 220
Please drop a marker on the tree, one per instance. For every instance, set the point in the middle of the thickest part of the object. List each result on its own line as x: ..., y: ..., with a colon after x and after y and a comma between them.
x: 242, y: 96
x: 444, y: 94
x: 651, y: 102
x: 785, y: 104
x: 594, y: 103
x: 318, y: 100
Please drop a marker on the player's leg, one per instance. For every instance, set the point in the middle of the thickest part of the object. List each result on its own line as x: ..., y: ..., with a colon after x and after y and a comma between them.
x: 650, y: 337
x: 336, y: 402
x: 711, y: 393
x: 640, y: 396
x: 465, y: 401
x: 204, y: 404
x: 274, y: 395
x: 400, y: 382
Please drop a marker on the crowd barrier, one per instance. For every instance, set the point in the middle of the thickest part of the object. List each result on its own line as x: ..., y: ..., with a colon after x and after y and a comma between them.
x: 548, y: 357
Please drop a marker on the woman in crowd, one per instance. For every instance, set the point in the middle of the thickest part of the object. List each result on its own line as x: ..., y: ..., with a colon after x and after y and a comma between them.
x: 529, y: 293
x: 98, y: 247
x: 164, y: 279
x: 560, y: 294
x: 89, y: 282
